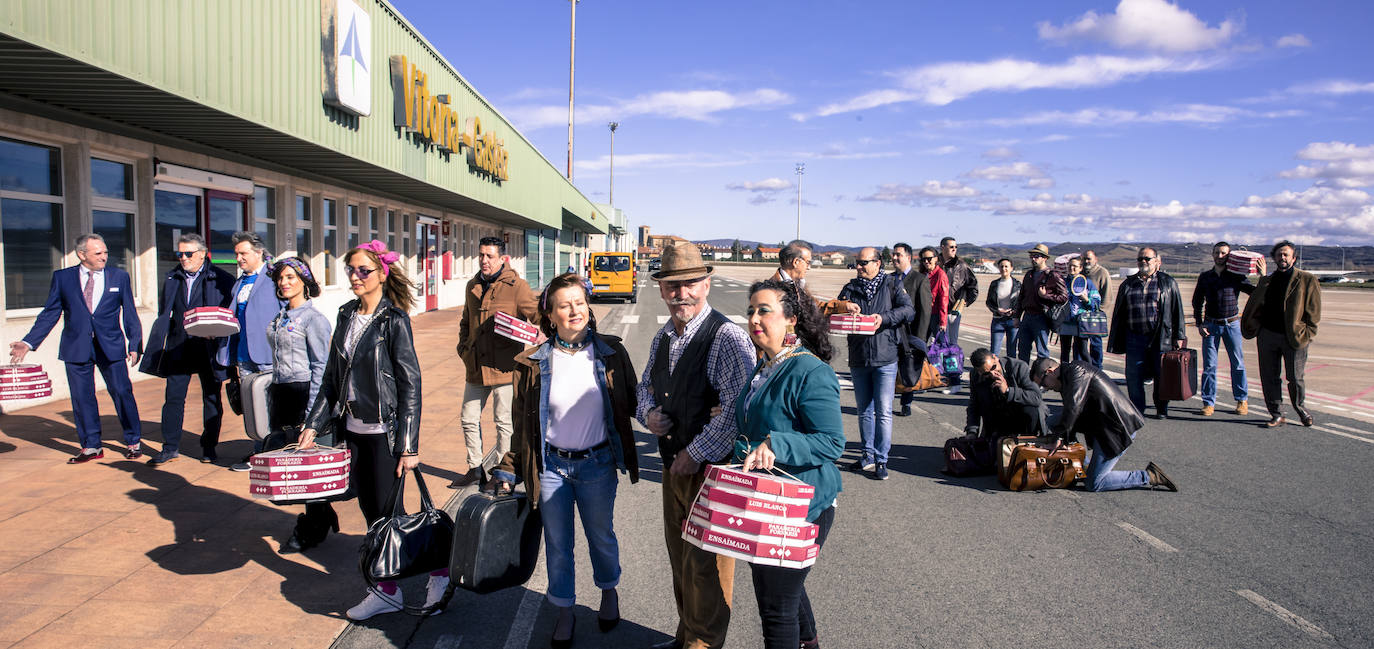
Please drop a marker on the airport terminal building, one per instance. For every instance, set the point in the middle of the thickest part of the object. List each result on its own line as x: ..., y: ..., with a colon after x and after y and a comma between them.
x: 317, y: 123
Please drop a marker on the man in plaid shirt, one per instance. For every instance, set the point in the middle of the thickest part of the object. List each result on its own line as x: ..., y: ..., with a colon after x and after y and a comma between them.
x: 1147, y: 321
x: 697, y: 362
x: 1216, y: 312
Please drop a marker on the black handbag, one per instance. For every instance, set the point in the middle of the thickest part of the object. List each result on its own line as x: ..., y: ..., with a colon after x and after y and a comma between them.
x: 233, y: 391
x: 404, y: 545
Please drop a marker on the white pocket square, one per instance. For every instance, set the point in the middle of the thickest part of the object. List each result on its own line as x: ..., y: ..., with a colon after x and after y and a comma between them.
x: 114, y: 290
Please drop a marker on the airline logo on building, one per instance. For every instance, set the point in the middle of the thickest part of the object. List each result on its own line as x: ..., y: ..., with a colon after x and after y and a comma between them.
x: 432, y: 121
x: 347, y: 44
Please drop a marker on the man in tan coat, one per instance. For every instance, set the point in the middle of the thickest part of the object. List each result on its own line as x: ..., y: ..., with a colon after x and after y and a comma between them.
x: 488, y: 358
x: 1282, y: 315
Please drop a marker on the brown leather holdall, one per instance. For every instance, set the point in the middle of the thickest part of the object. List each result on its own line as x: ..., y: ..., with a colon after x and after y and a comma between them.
x: 1045, y: 465
x: 1003, y: 448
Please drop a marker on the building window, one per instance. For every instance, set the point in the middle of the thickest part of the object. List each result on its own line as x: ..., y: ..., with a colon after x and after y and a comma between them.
x: 405, y: 236
x: 391, y: 229
x: 265, y: 214
x: 352, y: 227
x: 304, y: 227
x: 112, y: 210
x: 371, y: 232
x: 30, y: 220
x: 331, y: 239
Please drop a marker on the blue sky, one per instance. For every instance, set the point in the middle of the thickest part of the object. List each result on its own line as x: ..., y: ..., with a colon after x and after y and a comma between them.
x: 1138, y: 120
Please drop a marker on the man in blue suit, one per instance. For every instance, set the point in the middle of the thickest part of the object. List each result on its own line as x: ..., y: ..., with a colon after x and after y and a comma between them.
x: 92, y: 301
x: 255, y: 303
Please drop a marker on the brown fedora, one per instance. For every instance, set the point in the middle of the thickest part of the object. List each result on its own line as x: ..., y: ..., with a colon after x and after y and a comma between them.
x: 682, y: 262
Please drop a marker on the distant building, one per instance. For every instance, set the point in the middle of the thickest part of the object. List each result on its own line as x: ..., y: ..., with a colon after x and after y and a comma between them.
x: 835, y: 258
x: 764, y: 253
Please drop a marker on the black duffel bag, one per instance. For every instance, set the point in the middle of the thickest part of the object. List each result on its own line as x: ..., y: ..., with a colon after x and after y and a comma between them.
x: 404, y: 545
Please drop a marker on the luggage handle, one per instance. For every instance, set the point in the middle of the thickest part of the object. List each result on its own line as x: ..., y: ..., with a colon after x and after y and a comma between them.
x: 397, y: 501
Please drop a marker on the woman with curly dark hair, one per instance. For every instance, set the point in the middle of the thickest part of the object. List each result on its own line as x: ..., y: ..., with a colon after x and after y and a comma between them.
x: 790, y: 419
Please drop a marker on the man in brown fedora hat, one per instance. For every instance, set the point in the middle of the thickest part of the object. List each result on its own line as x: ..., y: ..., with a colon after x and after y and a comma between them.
x: 698, y: 361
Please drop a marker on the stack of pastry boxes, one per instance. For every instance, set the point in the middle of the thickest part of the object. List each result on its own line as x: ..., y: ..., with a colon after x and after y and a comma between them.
x: 865, y: 325
x: 514, y: 328
x: 753, y: 517
x: 24, y: 382
x: 1243, y: 262
x: 291, y: 475
x: 211, y: 322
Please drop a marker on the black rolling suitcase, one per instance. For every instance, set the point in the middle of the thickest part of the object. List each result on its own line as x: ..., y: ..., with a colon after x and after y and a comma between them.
x: 495, y: 542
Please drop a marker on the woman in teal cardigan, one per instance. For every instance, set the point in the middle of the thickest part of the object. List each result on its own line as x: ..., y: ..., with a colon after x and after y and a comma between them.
x: 790, y: 417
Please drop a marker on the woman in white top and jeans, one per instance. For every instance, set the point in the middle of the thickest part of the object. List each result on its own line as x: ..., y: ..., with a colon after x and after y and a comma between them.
x: 571, y: 417
x: 1003, y: 301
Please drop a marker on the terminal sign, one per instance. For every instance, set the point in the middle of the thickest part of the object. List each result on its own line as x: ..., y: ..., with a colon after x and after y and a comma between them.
x: 431, y: 119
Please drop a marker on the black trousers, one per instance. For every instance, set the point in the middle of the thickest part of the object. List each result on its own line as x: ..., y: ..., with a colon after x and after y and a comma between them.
x: 373, y: 473
x: 784, y: 608
x: 287, y: 406
x: 174, y: 410
x: 1275, y: 355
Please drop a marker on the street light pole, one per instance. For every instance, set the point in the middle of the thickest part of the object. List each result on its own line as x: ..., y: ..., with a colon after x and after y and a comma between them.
x: 614, y: 126
x: 801, y: 169
x: 572, y: 58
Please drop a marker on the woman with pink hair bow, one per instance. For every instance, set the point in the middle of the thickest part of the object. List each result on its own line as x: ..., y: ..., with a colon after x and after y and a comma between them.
x: 370, y: 398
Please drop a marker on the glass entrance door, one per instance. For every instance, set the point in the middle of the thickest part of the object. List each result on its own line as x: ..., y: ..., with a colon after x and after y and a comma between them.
x: 176, y: 212
x: 225, y: 214
x: 428, y: 236
x: 215, y: 215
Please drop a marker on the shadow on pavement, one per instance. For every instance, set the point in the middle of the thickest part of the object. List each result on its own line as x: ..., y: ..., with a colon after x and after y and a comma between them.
x: 216, y: 531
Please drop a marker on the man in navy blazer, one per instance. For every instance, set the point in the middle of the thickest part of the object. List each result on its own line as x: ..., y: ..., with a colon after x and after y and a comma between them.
x: 177, y: 356
x: 255, y: 303
x: 93, y: 300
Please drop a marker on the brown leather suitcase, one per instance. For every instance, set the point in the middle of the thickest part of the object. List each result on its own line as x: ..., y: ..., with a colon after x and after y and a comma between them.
x: 1177, y: 380
x: 1004, y: 447
x: 1039, y: 465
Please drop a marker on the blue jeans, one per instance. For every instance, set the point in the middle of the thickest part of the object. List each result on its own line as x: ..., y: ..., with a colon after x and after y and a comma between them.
x: 1004, y: 327
x: 1142, y: 362
x: 1101, y: 477
x: 1095, y: 350
x: 1035, y: 328
x: 590, y: 485
x: 873, y: 388
x: 1217, y: 332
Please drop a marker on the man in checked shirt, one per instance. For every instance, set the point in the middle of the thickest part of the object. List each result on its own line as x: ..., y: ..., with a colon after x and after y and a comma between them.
x: 699, y: 361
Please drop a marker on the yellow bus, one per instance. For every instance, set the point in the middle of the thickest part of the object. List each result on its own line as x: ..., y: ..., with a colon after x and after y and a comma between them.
x: 614, y: 275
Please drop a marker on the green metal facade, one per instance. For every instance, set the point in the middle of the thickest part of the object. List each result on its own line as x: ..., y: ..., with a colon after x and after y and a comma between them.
x: 261, y: 61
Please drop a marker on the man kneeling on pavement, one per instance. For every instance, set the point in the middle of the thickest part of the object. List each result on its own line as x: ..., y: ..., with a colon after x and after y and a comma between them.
x: 1002, y: 398
x: 1107, y: 419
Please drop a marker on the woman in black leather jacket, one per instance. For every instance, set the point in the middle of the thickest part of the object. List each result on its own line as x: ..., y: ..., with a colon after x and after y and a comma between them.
x: 370, y: 397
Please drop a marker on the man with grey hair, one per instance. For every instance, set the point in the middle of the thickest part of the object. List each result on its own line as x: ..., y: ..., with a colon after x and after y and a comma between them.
x: 93, y: 301
x: 177, y: 356
x: 794, y: 261
x: 255, y: 303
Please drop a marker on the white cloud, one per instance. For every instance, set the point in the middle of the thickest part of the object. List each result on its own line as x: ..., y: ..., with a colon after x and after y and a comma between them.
x: 1020, y: 170
x: 1333, y: 87
x: 1196, y: 114
x: 659, y: 161
x: 1145, y: 24
x: 942, y: 83
x: 1001, y: 153
x: 920, y: 194
x: 696, y: 105
x: 1294, y: 40
x: 770, y: 185
x: 940, y: 150
x: 1039, y: 183
x: 1335, y: 151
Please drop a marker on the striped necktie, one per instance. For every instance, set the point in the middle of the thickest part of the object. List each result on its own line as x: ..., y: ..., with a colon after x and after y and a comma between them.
x: 89, y: 291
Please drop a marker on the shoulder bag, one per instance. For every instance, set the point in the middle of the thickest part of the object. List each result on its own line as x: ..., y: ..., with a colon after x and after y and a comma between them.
x: 404, y: 545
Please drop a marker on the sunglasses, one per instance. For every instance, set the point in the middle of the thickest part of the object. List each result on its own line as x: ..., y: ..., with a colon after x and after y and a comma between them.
x: 186, y: 255
x: 361, y: 271
x: 927, y: 259
x: 1144, y: 258
x: 865, y: 262
x: 1036, y: 255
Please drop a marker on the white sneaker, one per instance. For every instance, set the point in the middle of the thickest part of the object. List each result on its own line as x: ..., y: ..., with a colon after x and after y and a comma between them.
x: 434, y: 592
x: 953, y: 389
x: 376, y: 603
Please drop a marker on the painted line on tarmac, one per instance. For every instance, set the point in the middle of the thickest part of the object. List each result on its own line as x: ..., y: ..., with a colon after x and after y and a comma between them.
x: 663, y: 319
x: 448, y: 641
x: 1066, y: 493
x: 1350, y: 429
x: 1151, y: 539
x: 523, y: 626
x: 1337, y: 432
x: 952, y: 427
x: 1289, y: 617
x: 632, y: 319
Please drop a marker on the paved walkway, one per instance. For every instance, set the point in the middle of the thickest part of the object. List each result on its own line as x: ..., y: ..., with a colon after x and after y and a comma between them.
x: 119, y: 554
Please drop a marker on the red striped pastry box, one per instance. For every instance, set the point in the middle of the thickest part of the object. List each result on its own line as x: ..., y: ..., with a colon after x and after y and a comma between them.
x: 211, y: 322
x: 863, y: 325
x: 749, y: 549
x: 515, y: 329
x: 26, y: 381
x: 290, y: 475
x: 754, y: 517
x: 1061, y: 263
x: 1243, y: 262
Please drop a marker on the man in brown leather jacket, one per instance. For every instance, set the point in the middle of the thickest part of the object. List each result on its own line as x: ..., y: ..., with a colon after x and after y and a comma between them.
x: 488, y: 358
